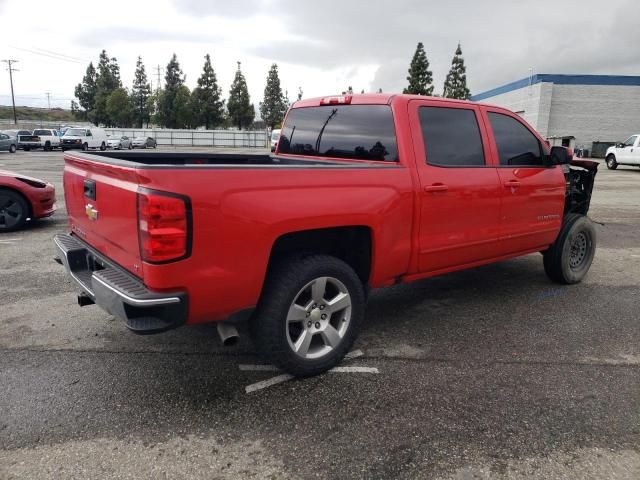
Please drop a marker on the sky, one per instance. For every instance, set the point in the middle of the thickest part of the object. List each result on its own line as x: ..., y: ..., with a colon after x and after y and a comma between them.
x: 321, y: 46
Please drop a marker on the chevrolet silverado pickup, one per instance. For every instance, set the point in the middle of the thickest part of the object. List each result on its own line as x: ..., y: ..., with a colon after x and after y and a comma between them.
x: 363, y: 191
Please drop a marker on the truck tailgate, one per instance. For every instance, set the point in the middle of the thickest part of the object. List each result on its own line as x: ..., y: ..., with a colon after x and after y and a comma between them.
x: 101, y: 204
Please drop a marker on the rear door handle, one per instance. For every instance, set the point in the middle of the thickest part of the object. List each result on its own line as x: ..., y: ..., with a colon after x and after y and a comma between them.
x: 436, y: 187
x: 512, y: 184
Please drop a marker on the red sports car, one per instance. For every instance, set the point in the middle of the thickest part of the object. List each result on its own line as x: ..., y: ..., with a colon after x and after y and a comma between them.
x: 23, y: 198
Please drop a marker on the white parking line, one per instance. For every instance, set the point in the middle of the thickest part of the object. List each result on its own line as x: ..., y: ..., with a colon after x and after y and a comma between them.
x: 286, y: 377
x: 267, y: 383
x: 354, y: 370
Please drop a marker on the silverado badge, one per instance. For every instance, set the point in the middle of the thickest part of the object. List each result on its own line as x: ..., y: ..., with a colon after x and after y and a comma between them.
x: 92, y: 213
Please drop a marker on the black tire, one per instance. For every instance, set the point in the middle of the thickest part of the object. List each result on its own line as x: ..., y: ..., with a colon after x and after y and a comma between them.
x: 12, y: 148
x: 27, y: 149
x: 286, y: 282
x: 14, y: 210
x: 130, y: 146
x: 47, y: 146
x: 568, y: 260
x: 611, y: 161
x: 103, y: 147
x: 85, y: 147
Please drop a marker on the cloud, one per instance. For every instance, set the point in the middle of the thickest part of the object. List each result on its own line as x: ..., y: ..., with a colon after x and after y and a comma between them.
x: 110, y: 36
x: 501, y: 40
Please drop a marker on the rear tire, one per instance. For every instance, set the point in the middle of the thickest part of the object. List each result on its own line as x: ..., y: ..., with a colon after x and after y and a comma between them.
x: 14, y: 210
x: 103, y: 147
x: 611, y: 161
x: 85, y: 147
x: 47, y: 146
x: 12, y: 148
x: 568, y: 260
x: 309, y: 314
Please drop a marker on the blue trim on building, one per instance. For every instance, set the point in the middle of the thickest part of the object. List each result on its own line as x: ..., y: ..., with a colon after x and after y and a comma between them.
x: 622, y: 80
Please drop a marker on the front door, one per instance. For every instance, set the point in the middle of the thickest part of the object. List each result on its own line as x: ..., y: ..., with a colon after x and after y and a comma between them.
x: 4, y: 141
x: 624, y: 154
x: 532, y: 193
x: 459, y: 196
x: 634, y: 152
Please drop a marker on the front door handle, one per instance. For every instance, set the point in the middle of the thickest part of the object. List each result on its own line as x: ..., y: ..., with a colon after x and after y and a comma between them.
x: 436, y: 187
x: 512, y: 184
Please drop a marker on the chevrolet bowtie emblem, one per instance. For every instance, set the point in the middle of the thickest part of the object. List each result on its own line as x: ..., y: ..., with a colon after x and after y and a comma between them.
x: 92, y: 213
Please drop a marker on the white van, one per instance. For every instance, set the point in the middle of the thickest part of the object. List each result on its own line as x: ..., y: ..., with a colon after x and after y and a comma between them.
x: 84, y: 138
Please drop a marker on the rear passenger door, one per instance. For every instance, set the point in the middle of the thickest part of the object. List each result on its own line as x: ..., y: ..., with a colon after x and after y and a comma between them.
x: 532, y: 193
x: 459, y: 192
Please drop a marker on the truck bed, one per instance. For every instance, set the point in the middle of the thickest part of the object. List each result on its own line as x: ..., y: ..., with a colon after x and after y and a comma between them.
x: 195, y: 159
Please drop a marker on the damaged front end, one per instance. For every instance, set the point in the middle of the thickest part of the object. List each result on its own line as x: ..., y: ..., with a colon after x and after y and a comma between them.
x: 580, y: 176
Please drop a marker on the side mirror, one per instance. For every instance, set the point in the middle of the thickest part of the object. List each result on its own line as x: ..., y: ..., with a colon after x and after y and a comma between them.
x: 560, y: 156
x: 619, y: 145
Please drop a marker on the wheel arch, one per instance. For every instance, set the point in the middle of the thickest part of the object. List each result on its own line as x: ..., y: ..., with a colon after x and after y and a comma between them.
x: 352, y: 244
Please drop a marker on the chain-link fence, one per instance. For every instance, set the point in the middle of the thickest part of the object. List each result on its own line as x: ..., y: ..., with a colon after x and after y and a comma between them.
x: 199, y: 138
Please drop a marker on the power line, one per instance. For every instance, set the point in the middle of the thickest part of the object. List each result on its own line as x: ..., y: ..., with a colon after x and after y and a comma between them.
x: 55, y: 56
x: 13, y: 98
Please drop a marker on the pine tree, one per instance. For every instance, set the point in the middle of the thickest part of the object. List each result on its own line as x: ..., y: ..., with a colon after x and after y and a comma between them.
x: 207, y: 98
x: 85, y: 92
x: 455, y: 85
x: 420, y: 77
x: 174, y: 79
x: 107, y: 80
x: 274, y: 105
x: 140, y: 93
x: 241, y: 111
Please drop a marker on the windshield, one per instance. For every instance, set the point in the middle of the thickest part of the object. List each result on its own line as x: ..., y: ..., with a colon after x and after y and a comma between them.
x: 80, y: 132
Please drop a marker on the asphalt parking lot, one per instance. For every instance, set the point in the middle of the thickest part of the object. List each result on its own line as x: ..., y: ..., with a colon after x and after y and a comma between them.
x: 489, y: 373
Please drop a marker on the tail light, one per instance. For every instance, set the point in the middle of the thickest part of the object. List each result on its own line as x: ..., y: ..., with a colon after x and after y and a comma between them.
x: 164, y: 226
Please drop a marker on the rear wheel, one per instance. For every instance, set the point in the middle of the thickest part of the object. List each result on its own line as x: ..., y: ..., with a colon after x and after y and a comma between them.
x: 568, y: 260
x: 47, y: 146
x: 612, y: 163
x: 85, y: 146
x: 309, y: 314
x: 12, y: 148
x: 14, y: 210
x: 103, y: 147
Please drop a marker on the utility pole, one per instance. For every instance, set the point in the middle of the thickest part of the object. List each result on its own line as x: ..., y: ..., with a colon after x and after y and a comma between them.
x: 158, y: 84
x: 48, y: 94
x: 13, y: 99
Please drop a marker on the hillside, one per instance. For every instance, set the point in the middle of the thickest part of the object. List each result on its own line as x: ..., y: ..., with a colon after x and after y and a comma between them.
x: 33, y: 113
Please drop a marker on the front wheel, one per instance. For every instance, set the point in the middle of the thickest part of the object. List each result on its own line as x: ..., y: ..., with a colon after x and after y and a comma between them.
x: 14, y: 210
x: 85, y: 147
x: 568, y: 260
x: 309, y: 314
x: 612, y: 163
x: 130, y: 147
x: 103, y: 147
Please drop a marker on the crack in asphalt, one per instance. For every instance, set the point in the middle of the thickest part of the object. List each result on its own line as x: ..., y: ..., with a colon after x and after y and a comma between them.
x: 381, y: 358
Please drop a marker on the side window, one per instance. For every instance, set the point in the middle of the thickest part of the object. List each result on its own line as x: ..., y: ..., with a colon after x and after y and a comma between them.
x: 517, y: 146
x: 3, y: 136
x: 451, y: 137
x: 89, y: 133
x: 630, y: 141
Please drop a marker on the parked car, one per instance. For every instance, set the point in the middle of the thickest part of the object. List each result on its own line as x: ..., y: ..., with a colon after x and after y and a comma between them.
x: 22, y: 199
x: 8, y: 142
x: 275, y: 135
x: 27, y: 140
x: 119, y: 142
x: 49, y: 138
x: 364, y: 191
x: 625, y: 153
x: 84, y: 138
x: 144, y: 142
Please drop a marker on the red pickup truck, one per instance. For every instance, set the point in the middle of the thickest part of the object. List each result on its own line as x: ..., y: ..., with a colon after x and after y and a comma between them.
x: 364, y: 191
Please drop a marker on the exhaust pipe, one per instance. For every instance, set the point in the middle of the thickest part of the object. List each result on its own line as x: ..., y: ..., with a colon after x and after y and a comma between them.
x: 84, y: 300
x: 228, y: 334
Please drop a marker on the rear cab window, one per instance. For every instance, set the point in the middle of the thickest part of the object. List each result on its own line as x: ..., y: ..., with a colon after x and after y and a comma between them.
x: 359, y: 132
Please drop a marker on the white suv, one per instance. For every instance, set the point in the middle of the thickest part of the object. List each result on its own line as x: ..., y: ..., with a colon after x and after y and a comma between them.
x: 626, y: 153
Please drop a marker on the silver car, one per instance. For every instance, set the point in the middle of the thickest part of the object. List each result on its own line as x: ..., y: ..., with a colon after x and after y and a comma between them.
x: 9, y: 141
x: 119, y: 142
x: 144, y: 142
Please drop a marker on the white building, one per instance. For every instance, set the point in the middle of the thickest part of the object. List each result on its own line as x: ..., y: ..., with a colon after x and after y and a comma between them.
x: 579, y: 111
